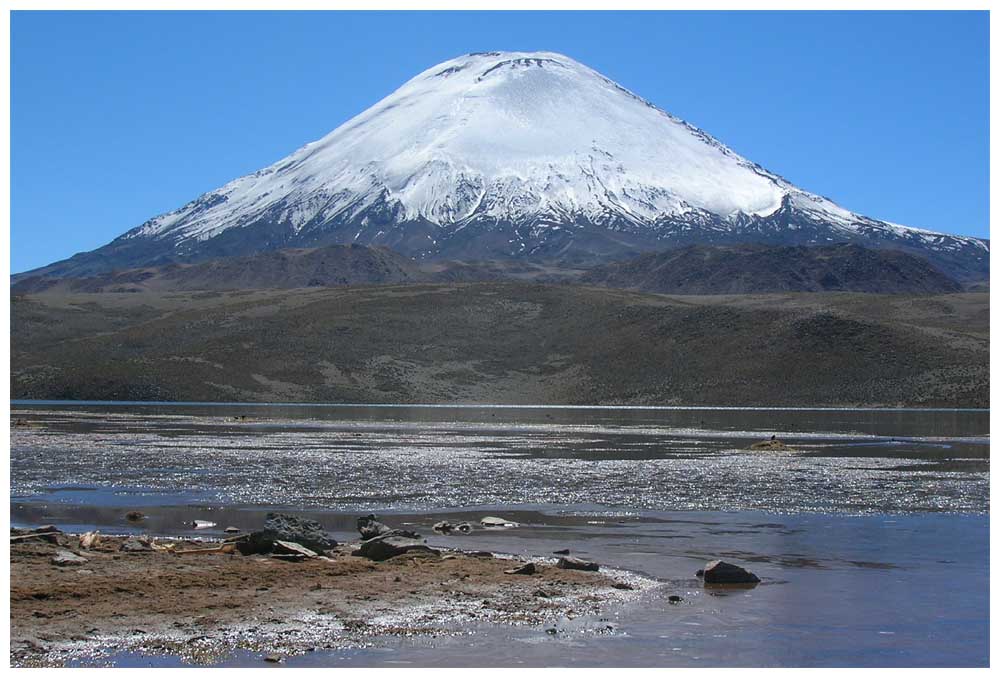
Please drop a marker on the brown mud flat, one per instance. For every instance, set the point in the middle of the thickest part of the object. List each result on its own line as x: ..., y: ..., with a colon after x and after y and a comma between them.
x: 204, y: 606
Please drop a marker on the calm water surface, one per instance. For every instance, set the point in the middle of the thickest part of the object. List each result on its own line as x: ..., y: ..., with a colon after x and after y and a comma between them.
x: 871, y: 535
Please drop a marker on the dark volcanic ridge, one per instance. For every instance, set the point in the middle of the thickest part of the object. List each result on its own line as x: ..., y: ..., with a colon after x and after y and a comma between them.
x: 753, y: 269
x: 281, y: 269
x: 690, y: 270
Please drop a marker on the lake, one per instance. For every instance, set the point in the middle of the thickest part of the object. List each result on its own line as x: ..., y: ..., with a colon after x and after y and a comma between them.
x: 871, y: 534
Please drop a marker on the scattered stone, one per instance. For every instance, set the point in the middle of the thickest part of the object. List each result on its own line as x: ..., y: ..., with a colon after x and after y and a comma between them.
x: 673, y: 600
x: 135, y: 516
x: 390, y: 546
x: 527, y: 568
x: 493, y: 521
x: 291, y: 551
x: 273, y: 658
x: 64, y: 558
x: 721, y: 572
x: 480, y: 554
x: 622, y: 586
x: 571, y: 563
x: 135, y: 544
x: 561, y: 552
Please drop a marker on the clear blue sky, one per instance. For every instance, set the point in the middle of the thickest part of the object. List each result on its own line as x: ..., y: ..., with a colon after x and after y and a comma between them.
x: 119, y: 116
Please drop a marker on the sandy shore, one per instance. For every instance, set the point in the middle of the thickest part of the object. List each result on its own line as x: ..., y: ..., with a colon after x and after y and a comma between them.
x: 203, y: 606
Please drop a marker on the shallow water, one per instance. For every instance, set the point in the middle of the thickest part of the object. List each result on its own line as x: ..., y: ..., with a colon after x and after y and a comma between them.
x: 871, y: 536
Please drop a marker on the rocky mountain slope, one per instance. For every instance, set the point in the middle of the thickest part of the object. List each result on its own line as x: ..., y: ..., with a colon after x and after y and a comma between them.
x: 752, y: 269
x: 332, y: 266
x: 697, y: 269
x: 523, y: 155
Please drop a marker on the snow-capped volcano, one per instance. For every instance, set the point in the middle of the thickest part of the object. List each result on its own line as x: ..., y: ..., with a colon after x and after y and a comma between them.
x: 511, y: 154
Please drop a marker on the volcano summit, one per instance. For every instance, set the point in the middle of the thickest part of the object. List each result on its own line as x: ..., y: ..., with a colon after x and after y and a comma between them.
x: 501, y: 155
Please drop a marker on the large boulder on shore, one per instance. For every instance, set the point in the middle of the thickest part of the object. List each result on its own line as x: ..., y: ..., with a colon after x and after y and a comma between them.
x: 391, y: 545
x: 370, y: 527
x: 721, y: 572
x: 288, y: 528
x: 571, y: 563
x: 48, y: 533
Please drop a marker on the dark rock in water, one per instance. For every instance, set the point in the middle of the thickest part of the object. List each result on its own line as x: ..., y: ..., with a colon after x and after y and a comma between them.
x: 67, y: 559
x: 370, y: 527
x: 571, y: 563
x: 134, y: 545
x: 673, y: 600
x: 273, y: 659
x: 721, y: 572
x: 700, y: 573
x: 444, y: 527
x: 232, y: 530
x: 527, y: 568
x: 391, y: 545
x: 464, y: 528
x: 772, y: 444
x: 561, y: 552
x: 480, y: 554
x: 552, y: 631
x: 493, y: 521
x: 135, y: 516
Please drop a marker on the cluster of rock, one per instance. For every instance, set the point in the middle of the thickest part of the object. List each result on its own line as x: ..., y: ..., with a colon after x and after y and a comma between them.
x: 381, y: 542
x: 292, y: 538
x: 488, y: 522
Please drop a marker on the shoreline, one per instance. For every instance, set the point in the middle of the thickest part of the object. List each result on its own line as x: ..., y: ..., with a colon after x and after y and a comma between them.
x: 202, y: 607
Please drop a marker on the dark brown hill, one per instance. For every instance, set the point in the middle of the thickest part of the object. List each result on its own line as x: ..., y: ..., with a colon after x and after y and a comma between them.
x: 503, y: 343
x: 752, y: 269
x: 332, y: 266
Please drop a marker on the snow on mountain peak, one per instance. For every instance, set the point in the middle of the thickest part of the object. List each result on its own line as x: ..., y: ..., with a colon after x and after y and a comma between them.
x: 506, y: 134
x: 529, y: 143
